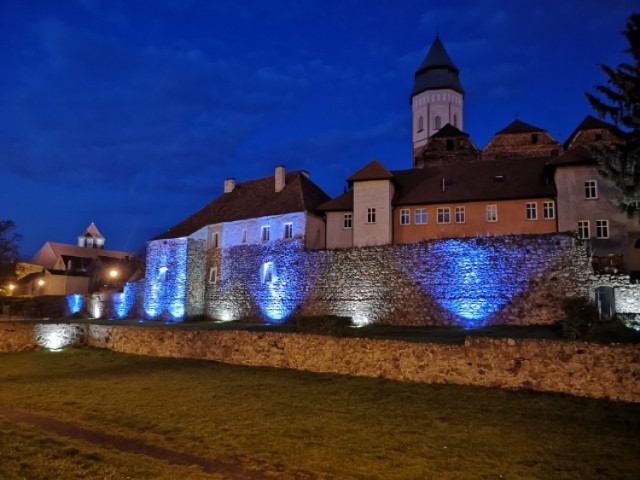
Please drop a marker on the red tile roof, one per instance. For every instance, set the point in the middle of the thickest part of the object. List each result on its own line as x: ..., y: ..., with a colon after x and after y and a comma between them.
x: 252, y: 199
x: 374, y: 170
x: 482, y: 181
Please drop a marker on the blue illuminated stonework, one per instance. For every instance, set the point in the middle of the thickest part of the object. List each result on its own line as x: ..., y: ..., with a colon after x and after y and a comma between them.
x: 75, y: 302
x: 166, y: 280
x: 124, y: 302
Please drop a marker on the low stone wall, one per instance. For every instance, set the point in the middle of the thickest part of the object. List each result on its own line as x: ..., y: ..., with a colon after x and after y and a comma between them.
x: 576, y: 368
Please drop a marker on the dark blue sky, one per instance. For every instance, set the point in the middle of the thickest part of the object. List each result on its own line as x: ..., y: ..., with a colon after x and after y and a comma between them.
x: 131, y: 114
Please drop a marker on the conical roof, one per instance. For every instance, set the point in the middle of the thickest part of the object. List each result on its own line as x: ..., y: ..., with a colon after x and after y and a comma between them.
x: 437, y: 71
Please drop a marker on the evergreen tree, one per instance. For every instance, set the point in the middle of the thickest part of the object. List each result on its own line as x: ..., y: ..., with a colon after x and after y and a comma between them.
x: 620, y: 101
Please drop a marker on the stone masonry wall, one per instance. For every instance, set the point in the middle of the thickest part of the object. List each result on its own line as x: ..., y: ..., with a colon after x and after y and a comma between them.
x: 576, y: 368
x: 469, y: 282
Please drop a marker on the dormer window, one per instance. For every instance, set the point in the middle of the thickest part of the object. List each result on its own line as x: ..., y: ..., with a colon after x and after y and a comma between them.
x: 534, y: 138
x: 450, y: 145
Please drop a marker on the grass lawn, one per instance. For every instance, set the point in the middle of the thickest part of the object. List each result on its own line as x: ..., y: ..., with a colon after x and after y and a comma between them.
x: 301, y: 425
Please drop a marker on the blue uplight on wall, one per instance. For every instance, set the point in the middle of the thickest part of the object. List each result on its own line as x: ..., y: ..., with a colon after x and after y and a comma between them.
x: 165, y: 280
x: 123, y: 302
x: 75, y: 302
x: 474, y: 279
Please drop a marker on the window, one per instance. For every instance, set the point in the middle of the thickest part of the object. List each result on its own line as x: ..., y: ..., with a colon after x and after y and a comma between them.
x: 590, y: 189
x: 371, y: 215
x: 214, y: 240
x: 598, y: 137
x: 420, y: 124
x: 421, y: 216
x: 449, y: 144
x: 438, y: 122
x: 534, y: 138
x: 264, y: 233
x: 583, y: 229
x: 288, y: 230
x: 162, y: 274
x: 549, y: 210
x: 532, y: 211
x: 347, y: 220
x: 444, y: 215
x: 244, y: 236
x: 213, y: 275
x: 455, y: 120
x: 602, y: 228
x: 405, y: 218
x: 492, y: 213
x: 460, y: 215
x: 268, y: 272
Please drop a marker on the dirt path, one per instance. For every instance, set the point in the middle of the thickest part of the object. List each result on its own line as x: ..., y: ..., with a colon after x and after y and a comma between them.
x: 126, y: 444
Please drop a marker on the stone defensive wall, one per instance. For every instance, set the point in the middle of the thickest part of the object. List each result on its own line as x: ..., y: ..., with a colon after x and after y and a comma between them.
x: 572, y: 367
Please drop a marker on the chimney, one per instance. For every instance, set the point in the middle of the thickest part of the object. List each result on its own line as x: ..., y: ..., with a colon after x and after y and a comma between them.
x: 279, y: 178
x: 229, y: 185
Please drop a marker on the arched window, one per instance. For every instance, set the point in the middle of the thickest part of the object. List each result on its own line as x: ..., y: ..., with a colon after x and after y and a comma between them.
x: 455, y: 120
x: 420, y: 124
x: 438, y: 122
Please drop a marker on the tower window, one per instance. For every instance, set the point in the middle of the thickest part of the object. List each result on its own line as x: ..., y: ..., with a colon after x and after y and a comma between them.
x: 420, y: 124
x: 371, y: 215
x: 438, y: 122
x: 455, y: 120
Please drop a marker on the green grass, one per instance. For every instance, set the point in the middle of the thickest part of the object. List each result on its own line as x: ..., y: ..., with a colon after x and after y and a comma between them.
x: 28, y: 453
x: 302, y: 425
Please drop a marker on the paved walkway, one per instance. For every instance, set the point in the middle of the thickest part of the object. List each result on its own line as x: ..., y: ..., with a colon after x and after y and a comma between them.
x: 230, y: 471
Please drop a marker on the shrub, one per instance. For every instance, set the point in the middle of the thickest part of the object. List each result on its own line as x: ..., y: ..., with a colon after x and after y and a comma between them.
x: 579, y: 316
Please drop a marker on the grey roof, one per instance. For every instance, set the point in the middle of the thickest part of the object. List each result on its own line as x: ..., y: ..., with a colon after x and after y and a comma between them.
x: 437, y: 71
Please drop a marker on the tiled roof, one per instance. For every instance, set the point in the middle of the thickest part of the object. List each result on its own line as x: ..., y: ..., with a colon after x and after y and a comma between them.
x: 64, y: 249
x: 482, y: 181
x: 342, y: 203
x: 253, y: 199
x: 580, y: 155
x: 518, y: 126
x: 91, y: 231
x: 374, y: 170
x: 593, y: 123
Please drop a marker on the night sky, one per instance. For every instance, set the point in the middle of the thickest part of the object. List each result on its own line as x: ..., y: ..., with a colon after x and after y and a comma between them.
x: 131, y: 114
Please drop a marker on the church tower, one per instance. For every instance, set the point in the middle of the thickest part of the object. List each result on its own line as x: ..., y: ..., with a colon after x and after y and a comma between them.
x: 436, y: 99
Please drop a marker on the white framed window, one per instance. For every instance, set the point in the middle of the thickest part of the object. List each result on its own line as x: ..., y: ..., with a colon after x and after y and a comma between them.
x: 444, y: 215
x: 590, y: 189
x: 460, y: 215
x: 288, y: 230
x: 583, y: 229
x: 264, y: 233
x: 244, y: 236
x: 213, y: 275
x: 421, y: 216
x: 532, y: 211
x: 347, y: 220
x: 371, y: 215
x: 405, y: 217
x: 492, y: 213
x: 268, y: 273
x: 602, y: 228
x: 549, y: 210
